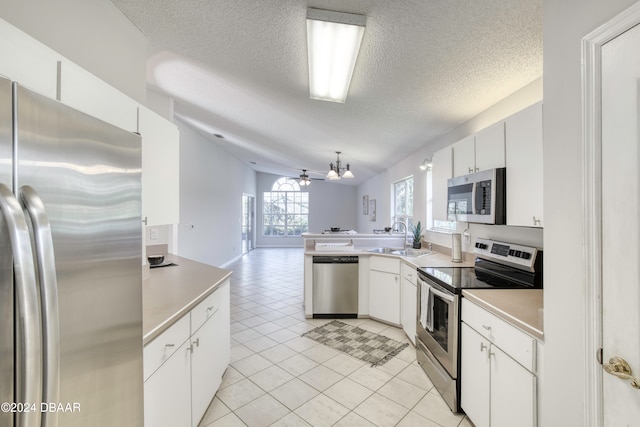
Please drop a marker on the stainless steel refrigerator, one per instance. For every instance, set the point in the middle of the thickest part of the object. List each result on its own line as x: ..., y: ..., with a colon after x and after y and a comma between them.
x: 70, y: 267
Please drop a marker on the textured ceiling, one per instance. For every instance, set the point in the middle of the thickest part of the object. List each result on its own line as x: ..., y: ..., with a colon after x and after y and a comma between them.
x: 239, y: 68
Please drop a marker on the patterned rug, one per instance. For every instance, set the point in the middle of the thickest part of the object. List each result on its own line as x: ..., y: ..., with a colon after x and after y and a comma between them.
x: 364, y: 345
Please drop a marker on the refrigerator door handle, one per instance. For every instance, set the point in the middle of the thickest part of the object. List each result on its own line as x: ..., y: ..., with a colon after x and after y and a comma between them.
x: 27, y: 314
x: 46, y: 268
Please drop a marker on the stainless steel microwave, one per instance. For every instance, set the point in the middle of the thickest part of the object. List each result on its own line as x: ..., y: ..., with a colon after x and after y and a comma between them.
x: 478, y: 197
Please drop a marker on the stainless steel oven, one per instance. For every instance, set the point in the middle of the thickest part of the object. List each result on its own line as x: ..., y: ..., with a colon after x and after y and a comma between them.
x: 438, y: 347
x: 437, y: 340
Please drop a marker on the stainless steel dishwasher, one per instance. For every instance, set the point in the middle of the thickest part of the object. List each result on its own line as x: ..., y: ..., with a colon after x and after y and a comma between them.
x: 335, y: 286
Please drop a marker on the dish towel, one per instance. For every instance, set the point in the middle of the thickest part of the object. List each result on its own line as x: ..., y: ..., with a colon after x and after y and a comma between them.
x: 430, y: 310
x: 426, y: 306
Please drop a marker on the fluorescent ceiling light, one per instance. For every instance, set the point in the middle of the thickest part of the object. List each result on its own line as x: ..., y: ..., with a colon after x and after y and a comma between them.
x: 333, y: 42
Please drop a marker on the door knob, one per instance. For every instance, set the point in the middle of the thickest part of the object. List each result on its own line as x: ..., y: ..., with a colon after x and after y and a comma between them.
x: 619, y: 367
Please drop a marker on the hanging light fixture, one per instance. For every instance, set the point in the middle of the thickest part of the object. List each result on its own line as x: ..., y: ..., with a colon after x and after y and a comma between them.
x: 337, y: 171
x: 304, y: 179
x: 333, y: 43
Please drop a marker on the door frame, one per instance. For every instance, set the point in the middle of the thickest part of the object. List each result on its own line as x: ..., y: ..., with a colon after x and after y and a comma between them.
x: 252, y: 221
x: 592, y: 197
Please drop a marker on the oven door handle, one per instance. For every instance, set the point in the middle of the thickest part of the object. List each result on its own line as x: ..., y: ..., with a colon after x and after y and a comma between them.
x: 444, y: 295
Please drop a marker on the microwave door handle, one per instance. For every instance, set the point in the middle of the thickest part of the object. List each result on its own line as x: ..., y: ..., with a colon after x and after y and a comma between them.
x: 474, y: 190
x: 44, y: 255
x: 28, y: 323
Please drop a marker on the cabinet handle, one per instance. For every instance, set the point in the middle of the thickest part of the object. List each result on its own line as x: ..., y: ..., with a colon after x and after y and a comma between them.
x: 210, y: 308
x: 470, y: 170
x: 488, y: 328
x: 482, y: 346
x: 536, y: 221
x: 145, y: 221
x: 169, y: 345
x: 190, y: 348
x: 197, y: 342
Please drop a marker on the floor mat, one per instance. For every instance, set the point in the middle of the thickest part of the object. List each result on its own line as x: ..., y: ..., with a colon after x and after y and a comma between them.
x: 362, y: 344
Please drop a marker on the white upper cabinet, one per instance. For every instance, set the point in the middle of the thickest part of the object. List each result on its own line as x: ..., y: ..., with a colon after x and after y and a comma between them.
x: 27, y: 61
x: 490, y: 151
x: 481, y: 151
x: 85, y: 92
x: 524, y: 167
x: 160, y: 169
x: 464, y: 156
x: 441, y: 171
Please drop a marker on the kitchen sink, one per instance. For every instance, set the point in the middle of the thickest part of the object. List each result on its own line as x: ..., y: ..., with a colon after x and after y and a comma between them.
x: 384, y: 250
x: 402, y: 252
x: 412, y: 252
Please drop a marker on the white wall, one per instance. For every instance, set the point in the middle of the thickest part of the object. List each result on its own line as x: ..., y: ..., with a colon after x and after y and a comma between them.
x: 92, y: 33
x: 211, y: 185
x: 330, y: 205
x: 565, y: 24
x: 379, y: 187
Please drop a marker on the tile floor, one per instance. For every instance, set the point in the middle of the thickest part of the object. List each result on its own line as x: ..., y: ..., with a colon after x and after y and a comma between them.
x: 278, y: 378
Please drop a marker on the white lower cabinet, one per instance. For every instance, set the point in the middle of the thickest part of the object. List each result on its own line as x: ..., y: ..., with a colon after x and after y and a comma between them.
x: 496, y: 390
x: 167, y: 393
x: 210, y: 357
x: 409, y: 301
x: 384, y: 289
x: 180, y: 384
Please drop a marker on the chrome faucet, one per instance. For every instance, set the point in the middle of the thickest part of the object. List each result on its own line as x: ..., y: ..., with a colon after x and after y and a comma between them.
x: 406, y: 232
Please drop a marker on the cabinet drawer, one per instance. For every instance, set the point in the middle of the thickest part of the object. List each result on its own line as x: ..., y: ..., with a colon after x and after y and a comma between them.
x: 409, y: 273
x: 164, y: 345
x: 385, y: 264
x: 207, y: 308
x: 517, y: 344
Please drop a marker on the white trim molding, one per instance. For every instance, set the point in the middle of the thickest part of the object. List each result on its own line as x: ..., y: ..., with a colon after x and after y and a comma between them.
x: 592, y: 197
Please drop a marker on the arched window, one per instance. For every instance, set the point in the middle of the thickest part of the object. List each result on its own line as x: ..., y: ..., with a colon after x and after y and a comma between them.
x: 285, y: 209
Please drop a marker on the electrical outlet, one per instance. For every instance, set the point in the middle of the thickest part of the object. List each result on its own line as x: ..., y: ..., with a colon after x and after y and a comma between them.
x: 153, y: 234
x: 467, y: 238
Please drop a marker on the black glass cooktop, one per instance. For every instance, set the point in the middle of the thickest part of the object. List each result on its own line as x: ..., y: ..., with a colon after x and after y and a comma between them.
x: 486, y: 275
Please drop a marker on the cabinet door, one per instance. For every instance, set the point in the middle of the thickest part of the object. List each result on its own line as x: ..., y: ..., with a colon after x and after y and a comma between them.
x: 211, y: 354
x: 223, y: 330
x: 167, y: 393
x: 160, y: 169
x: 409, y: 309
x: 513, y: 392
x: 474, y: 374
x: 384, y: 296
x: 440, y: 173
x: 205, y: 378
x: 490, y: 148
x: 524, y: 167
x: 464, y: 156
x: 87, y: 93
x: 27, y: 61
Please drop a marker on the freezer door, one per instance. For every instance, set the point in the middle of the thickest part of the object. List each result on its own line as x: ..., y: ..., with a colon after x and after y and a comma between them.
x: 6, y: 272
x: 88, y: 175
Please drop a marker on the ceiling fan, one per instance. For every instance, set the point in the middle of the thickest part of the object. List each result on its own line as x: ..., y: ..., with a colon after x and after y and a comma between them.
x: 304, y: 179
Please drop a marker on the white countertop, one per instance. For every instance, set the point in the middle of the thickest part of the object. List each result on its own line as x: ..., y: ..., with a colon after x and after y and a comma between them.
x: 523, y: 308
x: 435, y: 259
x: 349, y: 235
x: 171, y: 292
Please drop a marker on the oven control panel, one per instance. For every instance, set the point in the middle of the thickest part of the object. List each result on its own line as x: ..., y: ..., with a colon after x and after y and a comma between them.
x: 517, y: 255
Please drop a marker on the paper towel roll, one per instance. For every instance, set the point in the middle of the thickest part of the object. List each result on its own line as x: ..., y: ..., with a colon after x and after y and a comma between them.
x: 456, y: 247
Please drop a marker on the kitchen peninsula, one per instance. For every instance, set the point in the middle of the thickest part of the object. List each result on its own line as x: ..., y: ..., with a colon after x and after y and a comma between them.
x: 186, y: 334
x: 370, y: 264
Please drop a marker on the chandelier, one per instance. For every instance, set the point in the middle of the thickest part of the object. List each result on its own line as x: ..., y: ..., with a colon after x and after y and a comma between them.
x: 336, y: 171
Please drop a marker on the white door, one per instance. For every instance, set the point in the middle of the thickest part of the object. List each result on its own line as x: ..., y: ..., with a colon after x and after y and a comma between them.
x: 621, y: 223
